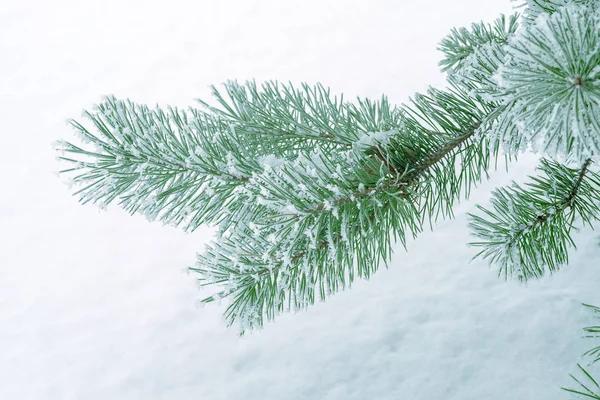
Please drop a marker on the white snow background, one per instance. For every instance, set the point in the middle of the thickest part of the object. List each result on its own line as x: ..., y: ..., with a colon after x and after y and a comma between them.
x: 93, y: 305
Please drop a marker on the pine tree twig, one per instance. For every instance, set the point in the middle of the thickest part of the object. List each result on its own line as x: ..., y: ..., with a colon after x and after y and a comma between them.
x: 524, y: 241
x: 583, y: 170
x: 560, y: 207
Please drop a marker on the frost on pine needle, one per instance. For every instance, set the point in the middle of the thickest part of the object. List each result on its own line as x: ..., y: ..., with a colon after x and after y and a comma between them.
x: 551, y: 82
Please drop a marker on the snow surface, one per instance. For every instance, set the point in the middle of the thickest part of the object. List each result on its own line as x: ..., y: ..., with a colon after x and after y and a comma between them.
x: 93, y: 305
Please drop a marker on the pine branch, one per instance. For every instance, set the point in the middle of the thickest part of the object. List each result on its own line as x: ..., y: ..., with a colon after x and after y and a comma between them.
x: 300, y: 114
x: 549, y: 83
x: 310, y: 192
x: 303, y: 250
x: 529, y: 228
x: 174, y: 166
x: 462, y: 43
x: 557, y: 208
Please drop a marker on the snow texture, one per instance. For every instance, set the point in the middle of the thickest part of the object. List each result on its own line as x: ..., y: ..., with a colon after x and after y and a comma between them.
x: 93, y: 304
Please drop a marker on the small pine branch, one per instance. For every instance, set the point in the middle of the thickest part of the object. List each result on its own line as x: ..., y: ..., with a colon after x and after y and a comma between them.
x: 306, y: 113
x: 185, y: 167
x: 529, y: 229
x: 169, y: 165
x: 462, y: 43
x: 474, y: 58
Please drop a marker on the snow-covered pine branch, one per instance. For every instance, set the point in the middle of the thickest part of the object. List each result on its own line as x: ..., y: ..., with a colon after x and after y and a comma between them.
x: 333, y: 217
x: 550, y: 83
x: 528, y: 232
x: 310, y: 191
